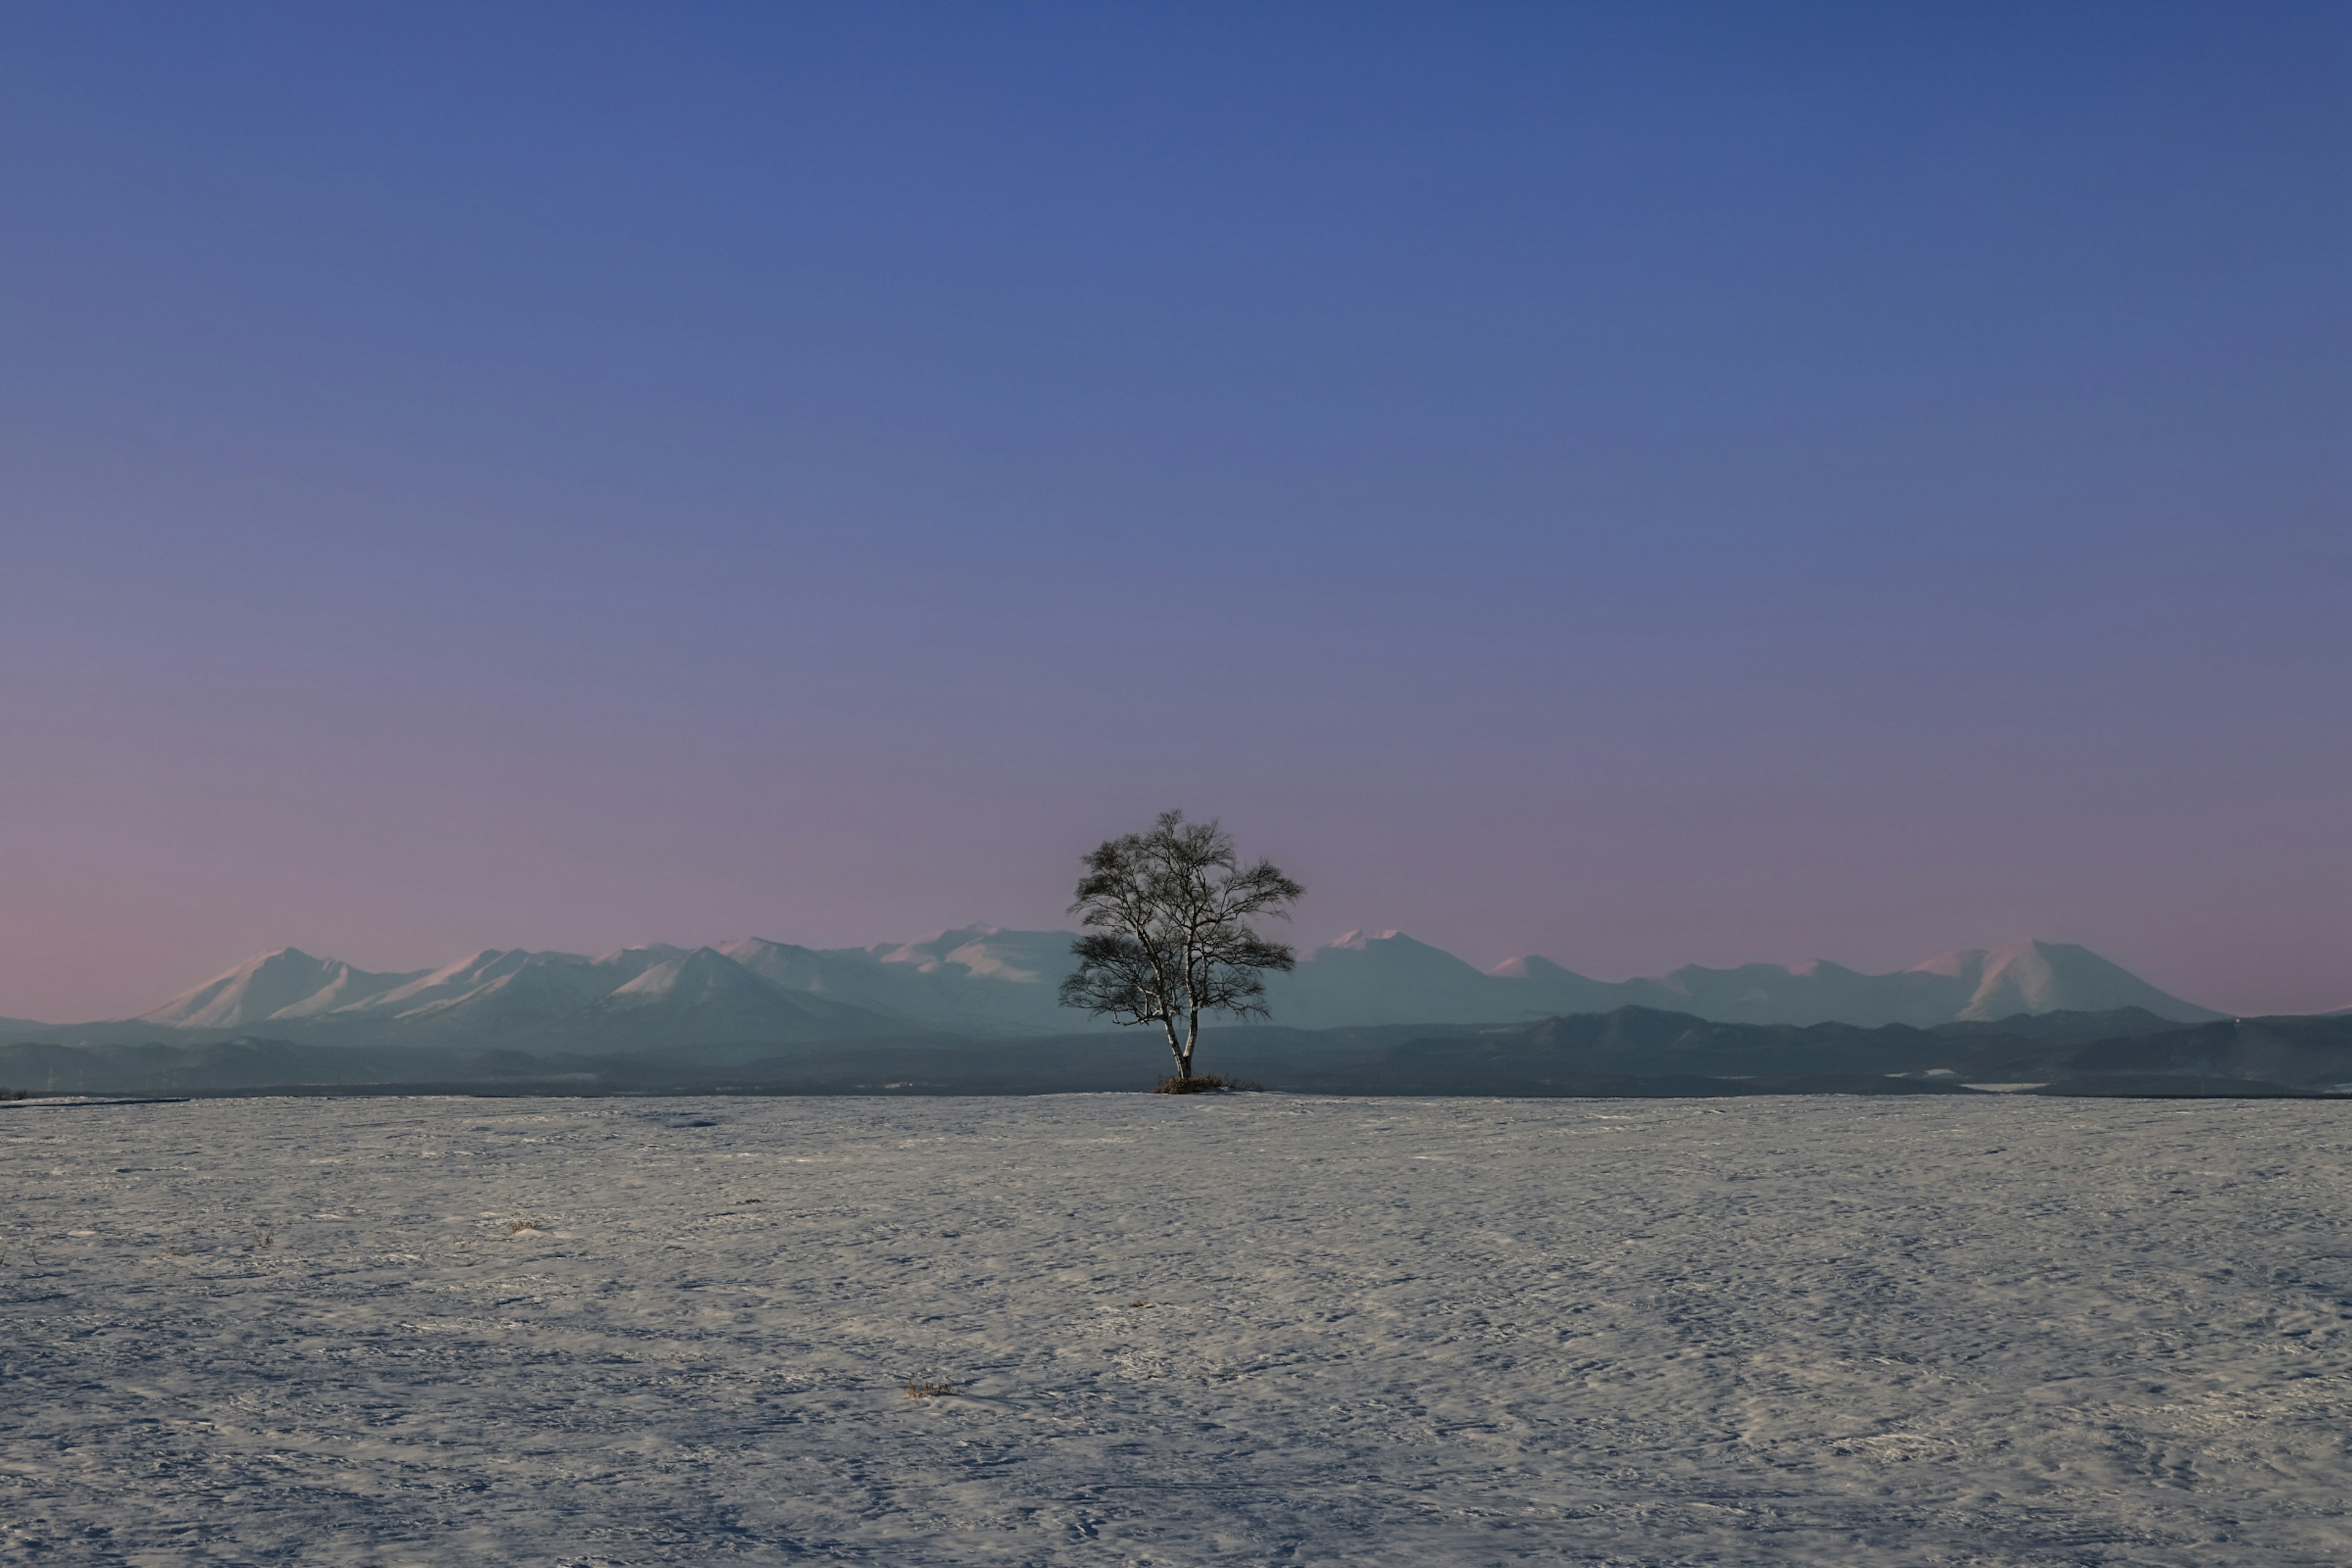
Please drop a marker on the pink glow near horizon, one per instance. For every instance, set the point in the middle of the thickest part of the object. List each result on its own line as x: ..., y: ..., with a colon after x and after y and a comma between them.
x: 1558, y: 480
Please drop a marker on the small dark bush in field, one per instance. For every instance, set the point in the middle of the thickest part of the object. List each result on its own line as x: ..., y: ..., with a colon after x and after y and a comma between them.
x: 750, y: 1200
x: 262, y: 1239
x: 525, y: 1226
x: 920, y: 1390
x: 1203, y: 1083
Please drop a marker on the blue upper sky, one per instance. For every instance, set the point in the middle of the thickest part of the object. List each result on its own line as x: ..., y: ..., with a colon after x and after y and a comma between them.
x: 1632, y: 482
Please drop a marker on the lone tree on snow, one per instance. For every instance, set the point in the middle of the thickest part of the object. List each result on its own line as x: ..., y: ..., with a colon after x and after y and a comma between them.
x: 1168, y: 937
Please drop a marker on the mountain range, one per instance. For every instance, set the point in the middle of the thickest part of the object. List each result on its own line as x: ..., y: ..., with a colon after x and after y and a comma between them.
x: 985, y: 982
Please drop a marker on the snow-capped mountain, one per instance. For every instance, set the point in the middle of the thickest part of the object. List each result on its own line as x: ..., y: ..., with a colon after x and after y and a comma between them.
x: 2048, y: 976
x: 452, y: 983
x: 980, y: 978
x: 984, y: 982
x: 985, y: 952
x: 706, y: 999
x: 1386, y: 977
x: 1973, y: 985
x: 288, y: 983
x: 515, y: 990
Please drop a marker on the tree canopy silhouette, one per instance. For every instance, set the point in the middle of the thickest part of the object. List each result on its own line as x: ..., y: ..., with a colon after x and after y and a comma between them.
x: 1168, y: 938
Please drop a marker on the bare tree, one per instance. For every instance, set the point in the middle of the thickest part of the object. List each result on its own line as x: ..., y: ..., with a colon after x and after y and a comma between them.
x: 1169, y: 938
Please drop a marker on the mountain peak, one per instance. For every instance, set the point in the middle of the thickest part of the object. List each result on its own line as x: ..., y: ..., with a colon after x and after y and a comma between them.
x: 1953, y: 965
x: 989, y: 951
x: 287, y: 982
x: 1532, y: 967
x: 703, y: 970
x: 1368, y: 940
x: 2037, y: 976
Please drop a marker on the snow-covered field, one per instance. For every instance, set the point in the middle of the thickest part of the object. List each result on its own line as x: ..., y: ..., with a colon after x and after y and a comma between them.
x: 1183, y: 1330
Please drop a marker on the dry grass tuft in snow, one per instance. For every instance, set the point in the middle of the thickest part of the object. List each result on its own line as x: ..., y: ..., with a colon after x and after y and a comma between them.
x: 1203, y: 1083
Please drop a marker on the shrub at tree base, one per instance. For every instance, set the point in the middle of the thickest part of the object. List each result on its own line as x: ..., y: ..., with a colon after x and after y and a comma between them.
x: 1206, y: 1083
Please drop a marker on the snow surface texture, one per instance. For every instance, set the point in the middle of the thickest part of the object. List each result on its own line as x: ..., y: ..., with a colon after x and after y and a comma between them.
x: 1182, y: 1331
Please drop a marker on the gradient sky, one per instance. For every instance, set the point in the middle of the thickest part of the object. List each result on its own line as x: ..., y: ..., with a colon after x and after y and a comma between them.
x: 1635, y: 483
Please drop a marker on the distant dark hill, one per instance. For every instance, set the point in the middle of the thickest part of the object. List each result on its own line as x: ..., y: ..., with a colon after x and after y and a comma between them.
x: 2077, y: 1048
x: 715, y: 1028
x: 2297, y: 1052
x: 1661, y: 1051
x: 1649, y: 1042
x: 175, y: 1067
x: 2059, y: 1029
